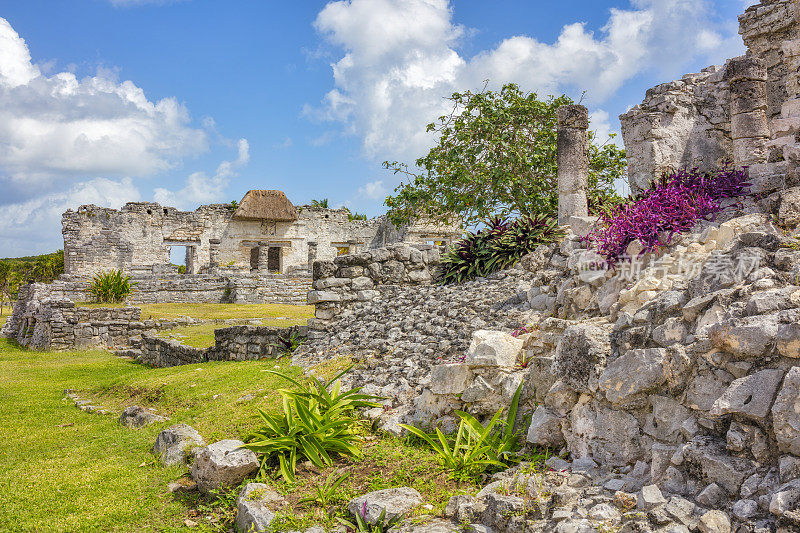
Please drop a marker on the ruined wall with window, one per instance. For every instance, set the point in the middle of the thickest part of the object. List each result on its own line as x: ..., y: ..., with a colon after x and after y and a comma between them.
x: 265, y: 233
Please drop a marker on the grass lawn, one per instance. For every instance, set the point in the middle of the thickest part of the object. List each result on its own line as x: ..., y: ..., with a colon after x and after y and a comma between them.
x: 219, y: 311
x: 65, y: 470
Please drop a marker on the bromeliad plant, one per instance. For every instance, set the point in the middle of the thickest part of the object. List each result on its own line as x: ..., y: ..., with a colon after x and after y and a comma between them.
x: 476, y: 447
x: 500, y: 245
x: 316, y: 423
x: 674, y: 204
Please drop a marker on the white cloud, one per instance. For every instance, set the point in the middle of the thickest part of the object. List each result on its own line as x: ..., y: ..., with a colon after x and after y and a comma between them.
x: 61, y: 128
x: 374, y: 190
x: 283, y: 145
x: 400, y: 59
x: 202, y: 189
x: 28, y: 227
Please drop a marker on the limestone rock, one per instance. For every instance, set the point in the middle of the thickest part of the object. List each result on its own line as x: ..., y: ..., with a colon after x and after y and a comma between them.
x: 750, y: 396
x: 786, y: 413
x: 136, y: 417
x: 635, y: 372
x: 223, y: 463
x: 714, y: 522
x: 255, y: 507
x: 581, y: 355
x: 493, y: 348
x: 395, y: 502
x: 450, y: 379
x: 545, y: 428
x: 175, y: 443
x: 649, y: 497
x: 747, y: 337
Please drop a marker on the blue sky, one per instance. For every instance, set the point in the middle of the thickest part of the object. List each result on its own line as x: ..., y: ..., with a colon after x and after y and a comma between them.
x: 197, y: 101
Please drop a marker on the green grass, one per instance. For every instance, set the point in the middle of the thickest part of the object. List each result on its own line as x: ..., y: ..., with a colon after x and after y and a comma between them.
x: 65, y: 470
x: 219, y: 311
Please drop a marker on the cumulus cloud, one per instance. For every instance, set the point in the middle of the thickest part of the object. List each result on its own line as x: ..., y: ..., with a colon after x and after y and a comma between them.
x: 374, y: 190
x: 31, y: 226
x: 203, y: 189
x: 60, y: 128
x: 401, y: 57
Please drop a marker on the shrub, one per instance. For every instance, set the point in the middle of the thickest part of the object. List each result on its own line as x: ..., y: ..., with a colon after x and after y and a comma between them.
x: 314, y: 424
x: 500, y: 245
x: 381, y: 525
x: 476, y: 447
x: 110, y: 287
x: 672, y: 205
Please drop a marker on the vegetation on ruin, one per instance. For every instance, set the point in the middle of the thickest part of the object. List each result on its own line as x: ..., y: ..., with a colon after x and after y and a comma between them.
x: 320, y: 203
x: 672, y: 205
x: 476, y: 447
x: 95, y: 475
x: 499, y: 245
x: 316, y: 424
x: 15, y: 272
x: 496, y: 156
x: 110, y: 286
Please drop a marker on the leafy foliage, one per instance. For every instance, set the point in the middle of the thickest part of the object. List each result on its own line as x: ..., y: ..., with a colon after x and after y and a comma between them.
x: 381, y: 525
x: 289, y: 342
x: 313, y: 424
x: 110, y: 287
x: 672, y: 205
x: 19, y: 271
x: 356, y: 216
x: 320, y: 203
x: 476, y: 447
x: 496, y: 156
x: 500, y: 245
x: 324, y: 494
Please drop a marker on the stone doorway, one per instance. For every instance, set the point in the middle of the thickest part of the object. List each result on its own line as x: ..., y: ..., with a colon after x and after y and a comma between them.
x: 254, y: 258
x: 274, y: 259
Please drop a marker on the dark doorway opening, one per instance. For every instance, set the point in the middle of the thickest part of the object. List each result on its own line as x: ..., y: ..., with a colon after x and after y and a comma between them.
x: 254, y: 258
x: 274, y: 259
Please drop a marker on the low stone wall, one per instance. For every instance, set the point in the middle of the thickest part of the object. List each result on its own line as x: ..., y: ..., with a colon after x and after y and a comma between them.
x: 237, y: 343
x: 43, y: 321
x: 348, y: 279
x: 200, y: 288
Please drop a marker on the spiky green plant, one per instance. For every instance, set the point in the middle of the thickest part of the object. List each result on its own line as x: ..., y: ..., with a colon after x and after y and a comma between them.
x: 476, y: 447
x: 500, y: 245
x: 315, y: 424
x: 111, y: 286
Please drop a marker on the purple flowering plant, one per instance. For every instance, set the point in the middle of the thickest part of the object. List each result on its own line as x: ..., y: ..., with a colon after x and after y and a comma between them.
x: 673, y: 204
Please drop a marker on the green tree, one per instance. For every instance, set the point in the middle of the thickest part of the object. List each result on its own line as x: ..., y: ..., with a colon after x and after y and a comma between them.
x: 496, y: 156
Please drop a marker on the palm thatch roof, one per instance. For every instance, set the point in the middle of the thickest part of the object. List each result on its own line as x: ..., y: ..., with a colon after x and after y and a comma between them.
x: 266, y: 205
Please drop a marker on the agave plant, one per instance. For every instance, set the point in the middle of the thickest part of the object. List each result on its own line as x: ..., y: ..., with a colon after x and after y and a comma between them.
x: 672, y: 205
x: 500, y: 245
x: 110, y: 287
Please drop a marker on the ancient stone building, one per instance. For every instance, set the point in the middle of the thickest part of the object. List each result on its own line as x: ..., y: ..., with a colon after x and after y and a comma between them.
x: 699, y: 121
x: 265, y: 233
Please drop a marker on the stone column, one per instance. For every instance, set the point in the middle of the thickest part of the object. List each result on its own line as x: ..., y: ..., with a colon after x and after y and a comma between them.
x: 190, y: 259
x: 573, y: 162
x: 747, y: 78
x: 213, y: 253
x: 263, y: 257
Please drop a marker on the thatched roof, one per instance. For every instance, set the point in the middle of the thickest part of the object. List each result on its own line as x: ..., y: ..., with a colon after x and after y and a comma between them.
x: 266, y: 205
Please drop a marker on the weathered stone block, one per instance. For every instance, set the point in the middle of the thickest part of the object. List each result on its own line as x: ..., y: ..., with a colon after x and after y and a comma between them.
x: 450, y: 379
x: 493, y: 348
x: 750, y: 396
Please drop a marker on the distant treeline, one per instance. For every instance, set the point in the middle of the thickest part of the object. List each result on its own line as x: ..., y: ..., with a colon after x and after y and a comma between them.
x: 18, y: 271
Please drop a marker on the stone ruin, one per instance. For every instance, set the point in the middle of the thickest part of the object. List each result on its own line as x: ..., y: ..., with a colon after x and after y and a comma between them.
x: 746, y: 112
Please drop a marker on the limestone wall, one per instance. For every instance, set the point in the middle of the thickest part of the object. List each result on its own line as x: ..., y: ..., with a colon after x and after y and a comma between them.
x: 340, y: 283
x: 45, y: 321
x: 138, y: 237
x: 237, y: 343
x: 687, y: 122
x: 680, y: 123
x: 235, y: 287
